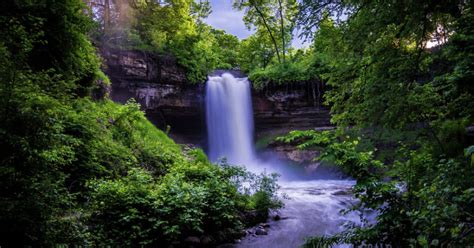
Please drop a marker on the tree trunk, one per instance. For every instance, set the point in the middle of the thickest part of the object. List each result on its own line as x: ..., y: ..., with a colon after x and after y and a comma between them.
x: 106, y: 16
x: 282, y: 29
x: 269, y: 30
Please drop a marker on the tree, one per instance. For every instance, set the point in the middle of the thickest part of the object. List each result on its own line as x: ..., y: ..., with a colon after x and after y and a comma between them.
x: 81, y: 172
x: 255, y: 51
x: 164, y: 23
x: 114, y: 17
x: 377, y: 39
x: 274, y: 16
x: 46, y: 60
x: 225, y: 46
x: 200, y: 10
x: 407, y: 114
x: 287, y: 13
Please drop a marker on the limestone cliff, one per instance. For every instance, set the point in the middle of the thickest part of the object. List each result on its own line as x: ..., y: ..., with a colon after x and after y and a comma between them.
x: 159, y: 84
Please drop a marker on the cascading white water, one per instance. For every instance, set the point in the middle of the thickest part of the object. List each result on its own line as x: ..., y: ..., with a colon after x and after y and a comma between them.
x: 229, y: 119
x: 312, y: 207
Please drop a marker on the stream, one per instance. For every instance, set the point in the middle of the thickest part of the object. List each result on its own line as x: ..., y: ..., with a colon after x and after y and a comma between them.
x: 312, y: 206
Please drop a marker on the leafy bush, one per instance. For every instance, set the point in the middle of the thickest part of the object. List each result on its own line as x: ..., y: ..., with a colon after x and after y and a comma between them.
x: 165, y: 197
x: 308, y: 139
x: 193, y: 199
x: 279, y: 74
x: 409, y: 195
x: 400, y: 97
x: 321, y: 242
x: 265, y: 197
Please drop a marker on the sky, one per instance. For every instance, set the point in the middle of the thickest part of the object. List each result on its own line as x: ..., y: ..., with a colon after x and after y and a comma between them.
x: 224, y: 17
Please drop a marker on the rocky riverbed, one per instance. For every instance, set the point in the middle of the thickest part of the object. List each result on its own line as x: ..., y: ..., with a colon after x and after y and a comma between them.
x: 312, y: 208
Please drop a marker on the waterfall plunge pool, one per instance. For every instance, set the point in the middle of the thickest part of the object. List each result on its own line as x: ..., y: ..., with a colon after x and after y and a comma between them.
x: 313, y: 206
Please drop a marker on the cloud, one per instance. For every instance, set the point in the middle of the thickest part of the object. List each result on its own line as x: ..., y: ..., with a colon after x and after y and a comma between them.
x: 224, y: 17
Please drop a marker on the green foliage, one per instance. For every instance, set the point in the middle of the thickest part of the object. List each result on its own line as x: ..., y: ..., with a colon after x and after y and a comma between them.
x: 265, y: 197
x: 172, y: 27
x: 279, y: 74
x: 194, y: 198
x: 255, y: 52
x: 399, y: 97
x: 469, y: 152
x: 46, y: 61
x: 46, y: 164
x: 260, y: 191
x: 308, y: 139
x: 266, y: 54
x: 342, y: 151
x: 166, y: 195
x: 81, y: 172
x: 321, y: 242
x: 225, y: 48
x: 389, y: 78
x: 28, y: 26
x: 205, y: 51
x: 136, y: 210
x: 274, y: 20
x: 411, y: 205
x: 303, y: 65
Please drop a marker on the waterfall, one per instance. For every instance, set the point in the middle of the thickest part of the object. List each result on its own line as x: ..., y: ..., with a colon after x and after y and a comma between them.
x: 229, y: 118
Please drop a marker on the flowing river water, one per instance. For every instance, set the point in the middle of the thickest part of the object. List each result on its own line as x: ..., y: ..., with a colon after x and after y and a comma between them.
x: 312, y: 207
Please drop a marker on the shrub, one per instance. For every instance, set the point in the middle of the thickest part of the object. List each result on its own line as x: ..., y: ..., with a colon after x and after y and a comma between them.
x: 195, y: 198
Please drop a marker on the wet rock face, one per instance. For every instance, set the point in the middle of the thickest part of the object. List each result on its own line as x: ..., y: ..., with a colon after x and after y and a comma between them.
x: 159, y: 84
x: 288, y: 152
x: 285, y: 109
x: 177, y: 106
x: 279, y: 110
x: 142, y: 66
